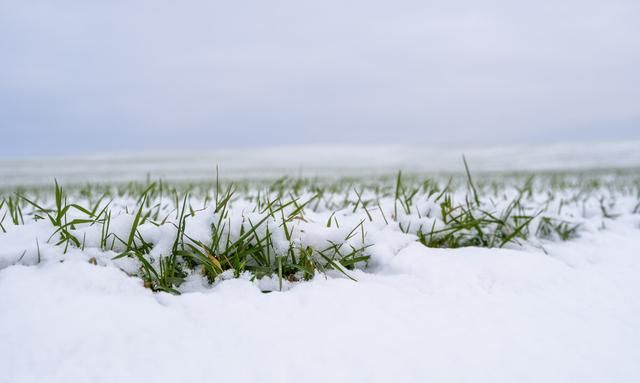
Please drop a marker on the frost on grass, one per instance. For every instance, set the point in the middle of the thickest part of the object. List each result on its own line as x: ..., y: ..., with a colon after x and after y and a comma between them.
x: 181, y: 237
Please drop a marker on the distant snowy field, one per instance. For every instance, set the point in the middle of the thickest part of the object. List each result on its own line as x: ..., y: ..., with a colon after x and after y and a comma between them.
x: 377, y: 278
x: 328, y: 161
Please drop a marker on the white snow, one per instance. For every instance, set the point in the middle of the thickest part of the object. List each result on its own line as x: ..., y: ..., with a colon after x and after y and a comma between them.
x: 539, y: 311
x: 317, y: 160
x: 467, y: 315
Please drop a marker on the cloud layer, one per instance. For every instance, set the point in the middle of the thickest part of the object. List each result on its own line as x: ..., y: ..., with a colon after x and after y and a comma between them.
x: 127, y: 75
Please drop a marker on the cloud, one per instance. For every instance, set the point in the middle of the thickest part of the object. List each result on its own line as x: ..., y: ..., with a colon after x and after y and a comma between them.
x: 128, y: 75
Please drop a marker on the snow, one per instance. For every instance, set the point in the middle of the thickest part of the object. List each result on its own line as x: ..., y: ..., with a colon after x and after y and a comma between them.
x: 540, y: 310
x: 317, y: 161
x: 482, y: 315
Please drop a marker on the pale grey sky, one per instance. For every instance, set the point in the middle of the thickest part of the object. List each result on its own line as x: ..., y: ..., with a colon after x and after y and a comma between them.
x: 128, y: 75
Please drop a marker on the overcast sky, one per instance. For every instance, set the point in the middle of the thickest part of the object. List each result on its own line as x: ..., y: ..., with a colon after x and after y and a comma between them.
x: 105, y: 76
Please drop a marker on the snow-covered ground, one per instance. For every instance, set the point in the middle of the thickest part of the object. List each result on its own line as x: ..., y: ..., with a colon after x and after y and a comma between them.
x: 317, y: 160
x: 551, y: 296
x: 466, y: 315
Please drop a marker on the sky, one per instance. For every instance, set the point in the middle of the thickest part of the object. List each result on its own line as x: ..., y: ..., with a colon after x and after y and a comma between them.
x: 154, y: 75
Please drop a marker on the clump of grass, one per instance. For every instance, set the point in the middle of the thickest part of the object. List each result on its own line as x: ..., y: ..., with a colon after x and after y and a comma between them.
x: 254, y: 251
x: 14, y: 209
x: 59, y: 220
x: 550, y: 228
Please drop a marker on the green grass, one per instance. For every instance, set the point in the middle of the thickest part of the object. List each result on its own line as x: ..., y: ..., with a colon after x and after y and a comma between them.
x: 256, y: 225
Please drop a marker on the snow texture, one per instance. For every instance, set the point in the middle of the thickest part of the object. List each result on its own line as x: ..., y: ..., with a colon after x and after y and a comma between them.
x: 442, y: 315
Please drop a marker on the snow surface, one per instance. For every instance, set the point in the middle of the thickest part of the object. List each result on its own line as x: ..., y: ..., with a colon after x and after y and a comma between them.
x: 466, y: 315
x: 317, y: 160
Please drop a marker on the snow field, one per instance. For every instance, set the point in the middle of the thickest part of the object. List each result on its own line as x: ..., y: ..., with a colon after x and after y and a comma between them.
x: 552, y: 305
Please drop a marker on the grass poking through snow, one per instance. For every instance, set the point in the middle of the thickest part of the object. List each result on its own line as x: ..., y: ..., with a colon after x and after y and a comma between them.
x: 294, y: 229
